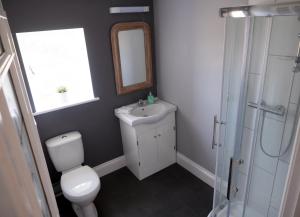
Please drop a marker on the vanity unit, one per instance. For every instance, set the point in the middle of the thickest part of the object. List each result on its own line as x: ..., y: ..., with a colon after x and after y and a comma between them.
x: 148, y: 130
x: 148, y: 136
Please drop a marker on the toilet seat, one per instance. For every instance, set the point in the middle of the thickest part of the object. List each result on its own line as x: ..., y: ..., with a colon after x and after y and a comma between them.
x: 80, y: 184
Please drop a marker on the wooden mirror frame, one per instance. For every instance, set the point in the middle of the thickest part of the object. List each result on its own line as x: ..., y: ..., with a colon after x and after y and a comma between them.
x: 117, y: 59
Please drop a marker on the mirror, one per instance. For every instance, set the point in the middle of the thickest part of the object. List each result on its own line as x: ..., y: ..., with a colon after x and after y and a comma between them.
x: 132, y: 56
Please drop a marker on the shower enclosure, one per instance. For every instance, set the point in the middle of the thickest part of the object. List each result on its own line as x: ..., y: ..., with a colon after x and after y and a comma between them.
x: 260, y: 110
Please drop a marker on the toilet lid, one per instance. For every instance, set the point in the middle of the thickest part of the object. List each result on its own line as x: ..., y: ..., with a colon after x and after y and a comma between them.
x: 79, y: 182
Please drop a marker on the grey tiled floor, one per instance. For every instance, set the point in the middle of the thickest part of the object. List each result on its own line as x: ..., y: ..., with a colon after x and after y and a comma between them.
x: 172, y: 192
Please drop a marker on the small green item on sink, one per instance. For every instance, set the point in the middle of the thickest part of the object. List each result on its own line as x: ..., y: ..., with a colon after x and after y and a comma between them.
x: 150, y: 98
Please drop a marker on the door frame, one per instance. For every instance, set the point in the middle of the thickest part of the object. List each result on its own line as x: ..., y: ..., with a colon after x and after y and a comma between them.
x: 22, y: 97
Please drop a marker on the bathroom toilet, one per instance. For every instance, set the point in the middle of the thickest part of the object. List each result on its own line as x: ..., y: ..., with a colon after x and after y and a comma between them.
x: 79, y: 184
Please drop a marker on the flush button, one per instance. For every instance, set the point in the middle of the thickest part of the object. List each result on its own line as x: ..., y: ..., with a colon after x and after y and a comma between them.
x: 63, y: 137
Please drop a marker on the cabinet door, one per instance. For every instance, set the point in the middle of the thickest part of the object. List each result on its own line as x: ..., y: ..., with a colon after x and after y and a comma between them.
x: 166, y: 145
x: 148, y: 153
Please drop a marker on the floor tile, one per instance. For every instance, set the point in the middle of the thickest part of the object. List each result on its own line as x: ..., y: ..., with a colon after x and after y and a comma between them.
x: 172, y: 192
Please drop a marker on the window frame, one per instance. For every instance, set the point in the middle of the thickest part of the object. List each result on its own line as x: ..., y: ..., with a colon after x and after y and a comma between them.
x: 35, y: 112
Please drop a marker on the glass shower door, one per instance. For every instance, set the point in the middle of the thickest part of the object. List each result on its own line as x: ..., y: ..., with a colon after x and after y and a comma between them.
x: 232, y: 115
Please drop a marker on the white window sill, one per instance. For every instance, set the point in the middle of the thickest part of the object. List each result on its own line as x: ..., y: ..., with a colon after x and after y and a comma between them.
x: 66, y: 106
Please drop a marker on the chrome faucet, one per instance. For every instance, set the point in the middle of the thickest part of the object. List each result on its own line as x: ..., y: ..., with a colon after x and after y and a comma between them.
x: 141, y: 102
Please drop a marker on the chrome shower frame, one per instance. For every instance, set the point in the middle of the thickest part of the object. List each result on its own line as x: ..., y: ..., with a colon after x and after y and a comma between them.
x: 265, y: 10
x: 285, y: 9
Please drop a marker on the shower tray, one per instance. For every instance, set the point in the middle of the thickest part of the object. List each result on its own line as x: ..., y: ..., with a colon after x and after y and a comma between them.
x: 236, y: 210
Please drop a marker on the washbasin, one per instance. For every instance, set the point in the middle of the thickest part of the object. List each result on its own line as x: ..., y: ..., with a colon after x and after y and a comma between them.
x: 148, y: 110
x: 149, y: 113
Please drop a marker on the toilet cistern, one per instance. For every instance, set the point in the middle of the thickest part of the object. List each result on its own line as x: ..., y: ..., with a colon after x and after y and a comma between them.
x: 79, y: 184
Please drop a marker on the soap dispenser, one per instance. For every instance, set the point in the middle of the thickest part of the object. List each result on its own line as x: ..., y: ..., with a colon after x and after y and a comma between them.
x: 150, y: 98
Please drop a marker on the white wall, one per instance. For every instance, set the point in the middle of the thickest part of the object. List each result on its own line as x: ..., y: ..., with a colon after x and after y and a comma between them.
x: 189, y: 38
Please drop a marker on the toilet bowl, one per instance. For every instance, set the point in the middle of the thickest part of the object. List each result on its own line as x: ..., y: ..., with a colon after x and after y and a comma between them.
x: 79, y: 184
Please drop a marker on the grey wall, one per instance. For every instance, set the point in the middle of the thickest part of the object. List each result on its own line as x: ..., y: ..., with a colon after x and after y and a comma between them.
x: 189, y: 57
x: 96, y: 121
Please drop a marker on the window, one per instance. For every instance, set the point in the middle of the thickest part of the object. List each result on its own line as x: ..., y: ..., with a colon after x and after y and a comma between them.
x: 57, y: 68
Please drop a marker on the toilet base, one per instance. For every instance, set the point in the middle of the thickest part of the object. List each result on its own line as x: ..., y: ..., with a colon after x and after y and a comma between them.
x: 85, y: 211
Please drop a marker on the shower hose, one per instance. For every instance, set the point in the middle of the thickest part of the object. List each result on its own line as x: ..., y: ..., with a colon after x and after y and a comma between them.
x: 291, y: 137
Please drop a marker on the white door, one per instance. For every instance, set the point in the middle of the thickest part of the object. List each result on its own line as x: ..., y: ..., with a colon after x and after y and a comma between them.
x: 166, y: 139
x: 148, y: 152
x: 24, y: 178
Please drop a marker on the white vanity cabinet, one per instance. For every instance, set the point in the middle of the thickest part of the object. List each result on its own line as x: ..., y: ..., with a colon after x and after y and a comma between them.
x: 149, y: 147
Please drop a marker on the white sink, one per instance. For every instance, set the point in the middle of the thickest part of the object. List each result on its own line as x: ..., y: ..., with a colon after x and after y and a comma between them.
x: 150, y: 113
x: 148, y: 110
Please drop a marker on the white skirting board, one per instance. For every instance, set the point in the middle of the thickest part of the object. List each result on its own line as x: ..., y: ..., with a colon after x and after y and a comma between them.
x: 110, y: 166
x: 119, y: 162
x: 194, y: 168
